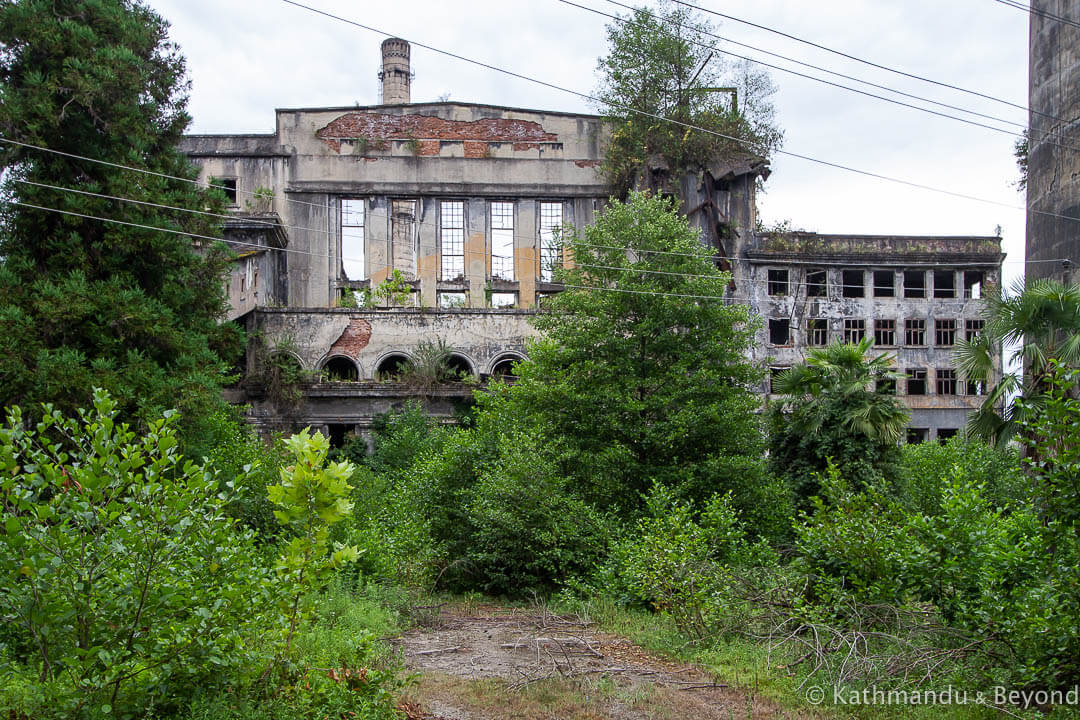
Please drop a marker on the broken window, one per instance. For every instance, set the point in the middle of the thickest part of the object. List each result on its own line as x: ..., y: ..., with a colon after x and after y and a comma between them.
x: 916, y: 382
x: 403, y: 237
x: 944, y: 434
x: 502, y: 241
x: 452, y: 300
x: 884, y: 283
x: 774, y: 375
x: 917, y: 435
x: 352, y: 238
x: 854, y: 330
x: 973, y: 280
x: 227, y: 186
x: 944, y: 333
x: 817, y: 331
x: 973, y: 328
x: 885, y: 386
x: 915, y: 332
x: 780, y: 331
x: 778, y: 282
x: 944, y: 284
x: 550, y: 252
x: 452, y: 236
x: 946, y: 381
x: 914, y: 283
x: 817, y: 283
x: 976, y: 387
x: 503, y: 299
x: 854, y: 284
x: 884, y: 332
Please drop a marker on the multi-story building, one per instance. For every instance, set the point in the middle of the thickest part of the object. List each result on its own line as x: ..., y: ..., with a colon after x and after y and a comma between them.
x: 460, y: 206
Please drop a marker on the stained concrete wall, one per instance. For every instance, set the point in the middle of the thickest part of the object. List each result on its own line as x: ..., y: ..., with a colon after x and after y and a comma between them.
x: 1053, y: 187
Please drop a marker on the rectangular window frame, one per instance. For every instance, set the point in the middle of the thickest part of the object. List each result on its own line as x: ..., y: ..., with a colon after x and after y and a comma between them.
x: 778, y: 281
x: 884, y: 283
x: 946, y: 381
x: 915, y: 332
x: 854, y: 330
x: 944, y: 332
x: 550, y: 255
x: 944, y: 284
x: 352, y: 219
x: 916, y: 381
x: 452, y: 240
x: 915, y: 284
x: 501, y: 220
x: 885, y: 332
x: 850, y: 288
x: 817, y: 332
x: 780, y: 332
x: 817, y: 282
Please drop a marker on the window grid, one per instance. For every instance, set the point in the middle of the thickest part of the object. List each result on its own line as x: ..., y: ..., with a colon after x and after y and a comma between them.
x: 502, y: 240
x: 452, y: 235
x: 944, y: 332
x: 946, y: 381
x: 884, y: 332
x: 352, y: 238
x: 915, y: 332
x: 778, y: 282
x: 551, y: 218
x: 973, y: 328
x: 818, y: 332
x: 916, y: 383
x: 854, y: 330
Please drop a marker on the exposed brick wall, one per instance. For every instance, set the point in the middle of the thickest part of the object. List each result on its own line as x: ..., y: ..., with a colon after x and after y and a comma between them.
x: 374, y: 125
x: 353, y: 339
x: 476, y: 149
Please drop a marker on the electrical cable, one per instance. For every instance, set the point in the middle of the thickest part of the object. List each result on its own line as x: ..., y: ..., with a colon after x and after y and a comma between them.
x: 1042, y: 13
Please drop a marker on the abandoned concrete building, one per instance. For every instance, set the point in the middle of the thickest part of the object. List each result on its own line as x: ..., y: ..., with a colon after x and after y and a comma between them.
x: 443, y: 218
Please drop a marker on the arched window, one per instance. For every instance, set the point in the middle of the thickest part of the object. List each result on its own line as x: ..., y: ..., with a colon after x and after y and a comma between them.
x: 392, y: 366
x: 340, y: 369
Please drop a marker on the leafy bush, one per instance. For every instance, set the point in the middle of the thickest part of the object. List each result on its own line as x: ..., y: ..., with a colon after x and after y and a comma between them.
x: 926, y: 468
x: 123, y: 582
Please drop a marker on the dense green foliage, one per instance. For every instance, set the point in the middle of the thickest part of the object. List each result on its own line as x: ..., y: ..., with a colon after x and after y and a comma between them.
x: 86, y: 302
x: 661, y: 77
x: 838, y: 407
x: 641, y: 375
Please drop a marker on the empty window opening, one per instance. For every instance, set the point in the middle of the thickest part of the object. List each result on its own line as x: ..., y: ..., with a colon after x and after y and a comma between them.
x: 854, y: 284
x: 339, y: 369
x: 914, y: 283
x: 944, y: 284
x: 946, y: 381
x: 452, y: 235
x: 774, y: 376
x: 392, y: 367
x: 338, y: 434
x: 778, y: 282
x: 817, y: 283
x: 915, y: 332
x: 854, y: 330
x: 459, y: 367
x: 403, y: 233
x: 503, y: 300
x: 818, y: 331
x: 885, y: 386
x: 780, y: 331
x: 550, y: 251
x: 504, y: 369
x: 452, y: 300
x: 916, y: 436
x: 944, y: 434
x: 884, y: 283
x: 973, y: 328
x: 976, y: 387
x: 916, y: 382
x: 352, y: 238
x: 884, y: 332
x: 944, y: 333
x: 502, y: 240
x: 973, y: 282
x: 227, y: 186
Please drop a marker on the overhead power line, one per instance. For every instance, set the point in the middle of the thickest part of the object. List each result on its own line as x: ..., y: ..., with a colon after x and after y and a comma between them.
x: 1041, y: 13
x: 685, y: 125
x: 870, y: 63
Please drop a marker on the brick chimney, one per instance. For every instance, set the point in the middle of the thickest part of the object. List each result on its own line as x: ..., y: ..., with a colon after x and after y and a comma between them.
x: 395, y: 76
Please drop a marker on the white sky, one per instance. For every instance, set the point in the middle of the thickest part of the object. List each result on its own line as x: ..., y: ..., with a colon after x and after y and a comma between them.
x: 248, y: 57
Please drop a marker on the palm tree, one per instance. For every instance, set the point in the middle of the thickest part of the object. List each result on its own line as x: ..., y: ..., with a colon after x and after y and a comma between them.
x: 863, y: 385
x: 1040, y: 321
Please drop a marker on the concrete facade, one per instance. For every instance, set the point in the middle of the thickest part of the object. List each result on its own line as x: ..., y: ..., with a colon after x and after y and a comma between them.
x: 1053, y: 185
x: 465, y: 204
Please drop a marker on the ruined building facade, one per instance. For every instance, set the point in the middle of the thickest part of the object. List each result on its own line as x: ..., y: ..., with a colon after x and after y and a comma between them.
x: 459, y: 206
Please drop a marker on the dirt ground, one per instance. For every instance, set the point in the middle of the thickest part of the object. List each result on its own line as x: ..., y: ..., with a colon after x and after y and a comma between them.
x: 486, y: 662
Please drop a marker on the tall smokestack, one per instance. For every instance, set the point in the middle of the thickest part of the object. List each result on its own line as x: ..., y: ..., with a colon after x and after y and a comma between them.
x: 395, y: 75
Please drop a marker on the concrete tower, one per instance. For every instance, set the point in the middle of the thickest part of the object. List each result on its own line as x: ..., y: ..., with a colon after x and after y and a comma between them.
x: 1054, y: 118
x: 395, y: 76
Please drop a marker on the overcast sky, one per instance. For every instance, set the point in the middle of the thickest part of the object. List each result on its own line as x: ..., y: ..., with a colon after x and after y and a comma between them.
x: 247, y: 57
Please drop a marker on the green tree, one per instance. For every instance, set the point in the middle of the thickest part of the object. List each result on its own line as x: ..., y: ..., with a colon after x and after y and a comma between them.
x: 123, y: 582
x: 84, y: 302
x: 1040, y: 321
x: 662, y: 66
x: 839, y: 404
x: 641, y: 375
